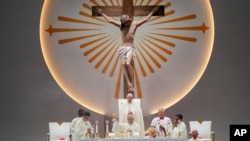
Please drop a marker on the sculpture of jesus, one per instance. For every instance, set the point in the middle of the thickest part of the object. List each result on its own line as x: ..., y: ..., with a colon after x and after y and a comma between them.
x: 126, y: 50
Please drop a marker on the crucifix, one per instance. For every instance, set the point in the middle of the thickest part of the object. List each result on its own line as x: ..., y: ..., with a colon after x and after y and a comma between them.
x: 128, y: 9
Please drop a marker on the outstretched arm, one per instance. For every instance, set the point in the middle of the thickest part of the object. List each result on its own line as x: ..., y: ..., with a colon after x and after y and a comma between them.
x: 145, y: 19
x: 109, y: 19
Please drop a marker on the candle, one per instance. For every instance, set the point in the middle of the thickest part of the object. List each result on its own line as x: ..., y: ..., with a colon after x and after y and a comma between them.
x: 107, y: 126
x: 96, y: 126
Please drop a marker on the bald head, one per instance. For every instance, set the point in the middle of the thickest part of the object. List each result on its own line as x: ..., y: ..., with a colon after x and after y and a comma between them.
x: 130, y: 118
x: 161, y: 112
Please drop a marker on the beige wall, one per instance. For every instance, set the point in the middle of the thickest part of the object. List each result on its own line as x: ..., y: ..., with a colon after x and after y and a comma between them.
x: 30, y: 97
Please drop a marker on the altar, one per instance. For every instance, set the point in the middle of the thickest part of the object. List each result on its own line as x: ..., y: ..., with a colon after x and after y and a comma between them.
x: 136, y: 139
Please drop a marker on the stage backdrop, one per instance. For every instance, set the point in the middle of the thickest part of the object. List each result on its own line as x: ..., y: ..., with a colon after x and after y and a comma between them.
x: 30, y: 96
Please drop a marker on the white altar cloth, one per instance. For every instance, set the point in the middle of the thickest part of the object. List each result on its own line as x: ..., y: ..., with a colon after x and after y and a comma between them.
x: 137, y: 139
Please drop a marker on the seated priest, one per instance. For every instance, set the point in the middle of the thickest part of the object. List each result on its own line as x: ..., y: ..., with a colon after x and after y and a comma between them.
x: 131, y: 128
x: 194, y: 135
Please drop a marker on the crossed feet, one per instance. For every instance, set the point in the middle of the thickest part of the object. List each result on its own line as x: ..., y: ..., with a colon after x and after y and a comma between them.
x: 130, y: 88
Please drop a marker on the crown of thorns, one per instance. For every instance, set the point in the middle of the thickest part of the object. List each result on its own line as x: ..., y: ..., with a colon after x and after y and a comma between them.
x: 125, y: 18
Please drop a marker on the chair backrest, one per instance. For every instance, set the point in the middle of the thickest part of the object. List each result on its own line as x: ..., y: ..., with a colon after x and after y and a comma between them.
x: 122, y: 101
x: 59, y: 130
x: 203, y: 127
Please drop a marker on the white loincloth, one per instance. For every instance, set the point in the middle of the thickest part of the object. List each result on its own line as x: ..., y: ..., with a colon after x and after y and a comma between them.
x: 125, y: 51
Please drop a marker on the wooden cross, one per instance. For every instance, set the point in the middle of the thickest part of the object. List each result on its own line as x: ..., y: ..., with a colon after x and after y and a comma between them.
x: 127, y: 9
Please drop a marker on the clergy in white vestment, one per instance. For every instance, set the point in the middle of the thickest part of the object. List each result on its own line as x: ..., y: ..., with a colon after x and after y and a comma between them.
x: 131, y: 107
x: 131, y: 127
x: 162, y: 123
x: 179, y: 127
x: 151, y: 132
x: 194, y: 135
x: 75, y: 120
x: 116, y: 127
x: 115, y: 123
x: 83, y: 126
